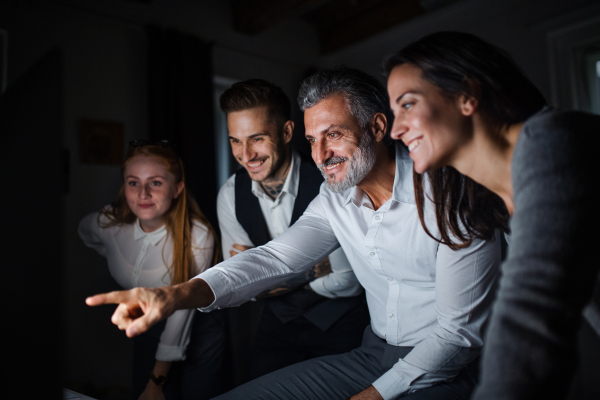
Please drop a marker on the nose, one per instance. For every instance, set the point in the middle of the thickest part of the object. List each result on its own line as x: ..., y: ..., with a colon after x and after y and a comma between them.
x: 145, y: 191
x: 247, y: 152
x: 399, y: 128
x: 321, y: 152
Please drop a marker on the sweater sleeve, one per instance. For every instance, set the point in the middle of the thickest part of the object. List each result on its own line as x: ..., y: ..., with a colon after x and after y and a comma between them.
x: 550, y: 271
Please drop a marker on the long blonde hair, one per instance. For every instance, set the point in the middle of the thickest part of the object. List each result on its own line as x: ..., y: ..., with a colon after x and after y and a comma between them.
x: 179, y: 218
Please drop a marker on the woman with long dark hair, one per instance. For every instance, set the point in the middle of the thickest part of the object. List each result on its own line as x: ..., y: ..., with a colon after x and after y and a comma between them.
x: 155, y: 235
x: 462, y: 106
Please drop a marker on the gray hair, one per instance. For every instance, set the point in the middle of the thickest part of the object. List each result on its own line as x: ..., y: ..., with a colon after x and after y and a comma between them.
x: 366, y: 96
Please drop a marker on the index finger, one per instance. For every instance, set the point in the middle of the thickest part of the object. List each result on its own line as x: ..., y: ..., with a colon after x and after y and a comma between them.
x: 120, y: 296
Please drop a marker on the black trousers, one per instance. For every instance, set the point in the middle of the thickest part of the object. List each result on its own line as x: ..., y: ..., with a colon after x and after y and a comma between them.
x: 278, y: 345
x: 199, y: 376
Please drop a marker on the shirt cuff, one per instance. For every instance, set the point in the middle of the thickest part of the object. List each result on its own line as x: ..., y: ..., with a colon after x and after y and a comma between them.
x: 217, y: 283
x: 170, y: 353
x: 318, y: 285
x: 391, y: 385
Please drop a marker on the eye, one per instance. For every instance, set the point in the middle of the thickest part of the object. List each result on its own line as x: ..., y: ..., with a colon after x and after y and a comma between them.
x: 156, y: 183
x: 333, y: 135
x: 132, y: 183
x: 257, y: 139
x: 407, y: 105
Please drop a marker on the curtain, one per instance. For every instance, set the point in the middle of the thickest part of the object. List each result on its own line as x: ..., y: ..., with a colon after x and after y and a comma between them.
x: 180, y: 108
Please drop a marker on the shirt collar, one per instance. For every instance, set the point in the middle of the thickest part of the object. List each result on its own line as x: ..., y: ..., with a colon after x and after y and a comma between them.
x: 154, y: 237
x: 292, y: 181
x: 403, y: 190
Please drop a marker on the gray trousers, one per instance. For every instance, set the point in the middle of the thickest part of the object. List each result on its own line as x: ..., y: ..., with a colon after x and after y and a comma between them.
x: 340, y: 376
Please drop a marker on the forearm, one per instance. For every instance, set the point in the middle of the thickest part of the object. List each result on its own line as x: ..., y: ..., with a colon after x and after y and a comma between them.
x: 161, y: 368
x: 195, y: 293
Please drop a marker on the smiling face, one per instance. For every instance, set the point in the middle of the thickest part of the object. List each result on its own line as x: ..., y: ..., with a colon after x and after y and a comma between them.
x: 149, y: 189
x: 432, y: 126
x: 257, y: 143
x: 341, y: 150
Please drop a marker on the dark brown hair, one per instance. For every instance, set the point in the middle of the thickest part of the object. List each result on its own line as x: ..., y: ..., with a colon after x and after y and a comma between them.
x: 459, y: 63
x: 179, y: 218
x: 257, y: 93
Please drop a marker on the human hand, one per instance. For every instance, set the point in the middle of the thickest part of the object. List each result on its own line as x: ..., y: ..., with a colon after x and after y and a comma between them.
x: 369, y: 393
x: 323, y: 268
x: 239, y: 247
x: 152, y: 392
x: 138, y: 309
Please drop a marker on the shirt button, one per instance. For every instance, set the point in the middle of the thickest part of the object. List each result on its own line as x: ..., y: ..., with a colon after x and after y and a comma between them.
x: 372, y: 254
x: 390, y: 279
x: 377, y: 217
x: 391, y: 315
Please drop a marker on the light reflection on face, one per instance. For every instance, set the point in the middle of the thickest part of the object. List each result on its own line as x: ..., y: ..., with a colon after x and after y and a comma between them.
x: 256, y: 142
x: 149, y: 190
x: 343, y: 153
x: 430, y: 124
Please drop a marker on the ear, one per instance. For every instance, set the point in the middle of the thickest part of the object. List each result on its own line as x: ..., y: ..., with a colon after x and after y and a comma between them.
x: 468, y: 104
x: 178, y: 188
x: 379, y: 126
x: 288, y: 131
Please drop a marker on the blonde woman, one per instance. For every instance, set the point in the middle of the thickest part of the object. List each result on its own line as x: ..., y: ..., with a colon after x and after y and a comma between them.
x: 155, y: 235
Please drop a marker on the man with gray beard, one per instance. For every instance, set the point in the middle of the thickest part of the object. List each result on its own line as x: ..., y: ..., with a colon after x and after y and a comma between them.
x: 428, y: 304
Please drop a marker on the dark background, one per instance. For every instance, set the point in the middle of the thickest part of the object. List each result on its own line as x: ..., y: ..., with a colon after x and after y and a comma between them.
x: 150, y: 65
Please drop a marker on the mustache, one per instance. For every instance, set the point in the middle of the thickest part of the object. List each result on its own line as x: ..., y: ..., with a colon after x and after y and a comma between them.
x: 331, y: 161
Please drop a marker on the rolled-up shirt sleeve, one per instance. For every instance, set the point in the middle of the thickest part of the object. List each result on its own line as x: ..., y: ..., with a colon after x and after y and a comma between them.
x: 341, y: 282
x: 465, y: 280
x: 242, y: 277
x: 175, y: 338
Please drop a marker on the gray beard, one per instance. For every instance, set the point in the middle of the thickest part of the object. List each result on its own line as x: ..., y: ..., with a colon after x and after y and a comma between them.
x: 359, y: 165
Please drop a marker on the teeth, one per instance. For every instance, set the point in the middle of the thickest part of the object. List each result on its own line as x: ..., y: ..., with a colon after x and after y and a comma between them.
x: 332, y: 166
x: 256, y: 164
x: 414, y: 144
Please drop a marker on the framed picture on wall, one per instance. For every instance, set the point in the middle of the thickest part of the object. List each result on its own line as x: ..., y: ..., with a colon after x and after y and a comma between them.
x: 3, y: 53
x: 101, y: 142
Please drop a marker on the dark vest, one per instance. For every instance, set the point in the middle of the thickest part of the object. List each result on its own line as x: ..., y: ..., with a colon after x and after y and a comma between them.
x: 319, y: 310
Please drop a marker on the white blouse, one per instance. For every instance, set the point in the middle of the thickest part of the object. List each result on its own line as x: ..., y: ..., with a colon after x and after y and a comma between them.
x: 136, y: 258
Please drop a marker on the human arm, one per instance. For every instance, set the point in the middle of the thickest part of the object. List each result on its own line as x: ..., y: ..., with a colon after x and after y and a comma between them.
x: 298, y: 249
x: 154, y: 391
x: 90, y: 232
x: 464, y: 287
x: 303, y: 279
x: 550, y: 270
x: 230, y: 283
x: 234, y: 238
x: 175, y: 337
x: 341, y: 282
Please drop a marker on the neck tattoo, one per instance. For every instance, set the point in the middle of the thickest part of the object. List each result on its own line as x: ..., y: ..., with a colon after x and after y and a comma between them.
x: 274, y: 186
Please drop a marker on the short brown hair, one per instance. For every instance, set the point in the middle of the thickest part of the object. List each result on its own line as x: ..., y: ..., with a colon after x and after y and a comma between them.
x: 257, y: 93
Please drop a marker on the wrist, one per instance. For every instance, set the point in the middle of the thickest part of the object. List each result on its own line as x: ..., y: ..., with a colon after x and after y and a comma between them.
x: 157, y: 380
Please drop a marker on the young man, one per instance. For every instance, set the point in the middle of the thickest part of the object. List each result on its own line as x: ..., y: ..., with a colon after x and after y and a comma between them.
x: 320, y: 311
x: 428, y: 303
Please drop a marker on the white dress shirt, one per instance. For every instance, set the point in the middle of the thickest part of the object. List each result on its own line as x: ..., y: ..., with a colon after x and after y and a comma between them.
x: 136, y: 258
x: 419, y: 293
x: 341, y: 282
